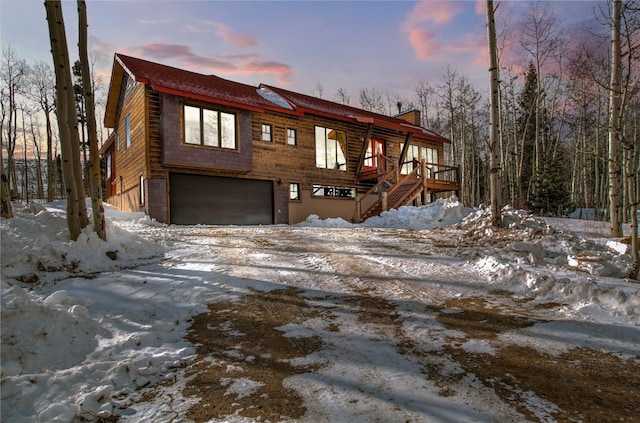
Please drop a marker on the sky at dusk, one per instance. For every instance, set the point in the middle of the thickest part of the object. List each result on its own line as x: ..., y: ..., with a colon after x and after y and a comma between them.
x: 386, y: 45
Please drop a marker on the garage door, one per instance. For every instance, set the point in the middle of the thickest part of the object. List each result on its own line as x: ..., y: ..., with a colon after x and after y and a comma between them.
x: 213, y: 200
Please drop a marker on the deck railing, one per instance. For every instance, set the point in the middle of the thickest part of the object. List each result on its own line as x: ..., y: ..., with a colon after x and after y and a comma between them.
x: 436, y: 174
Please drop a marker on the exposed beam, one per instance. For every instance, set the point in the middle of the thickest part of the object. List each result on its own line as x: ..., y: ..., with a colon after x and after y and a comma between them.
x: 403, y: 153
x: 363, y: 149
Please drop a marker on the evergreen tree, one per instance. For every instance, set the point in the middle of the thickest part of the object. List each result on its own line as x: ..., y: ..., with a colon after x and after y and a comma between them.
x: 552, y: 195
x: 526, y: 124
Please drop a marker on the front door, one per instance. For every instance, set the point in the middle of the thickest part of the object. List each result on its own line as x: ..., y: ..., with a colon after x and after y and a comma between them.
x: 375, y: 149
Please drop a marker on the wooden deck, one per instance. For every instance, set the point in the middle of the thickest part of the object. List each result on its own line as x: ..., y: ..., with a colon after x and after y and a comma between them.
x: 394, y: 190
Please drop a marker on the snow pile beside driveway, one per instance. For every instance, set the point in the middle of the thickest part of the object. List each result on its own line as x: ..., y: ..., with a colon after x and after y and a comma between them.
x: 36, y: 247
x: 83, y: 335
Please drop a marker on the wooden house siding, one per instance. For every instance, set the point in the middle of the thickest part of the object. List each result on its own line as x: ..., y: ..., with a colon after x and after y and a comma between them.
x: 130, y: 162
x: 159, y: 158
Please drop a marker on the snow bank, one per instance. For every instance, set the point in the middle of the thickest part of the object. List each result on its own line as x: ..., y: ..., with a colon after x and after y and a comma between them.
x: 36, y: 247
x: 440, y: 213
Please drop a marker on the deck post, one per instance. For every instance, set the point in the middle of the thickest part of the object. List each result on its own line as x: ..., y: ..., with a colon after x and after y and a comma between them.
x: 358, y: 210
x: 383, y: 201
x: 423, y: 175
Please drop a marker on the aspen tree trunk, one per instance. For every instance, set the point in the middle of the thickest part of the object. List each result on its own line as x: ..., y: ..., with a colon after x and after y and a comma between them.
x: 496, y: 217
x: 65, y: 111
x: 5, y: 198
x: 94, y: 165
x: 615, y: 129
x: 50, y: 162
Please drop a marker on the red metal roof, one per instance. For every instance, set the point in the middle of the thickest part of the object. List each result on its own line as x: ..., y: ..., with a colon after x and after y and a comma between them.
x: 318, y: 106
x: 214, y: 89
x: 194, y: 85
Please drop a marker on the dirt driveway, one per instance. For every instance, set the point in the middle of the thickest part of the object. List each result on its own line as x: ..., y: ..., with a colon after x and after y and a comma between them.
x: 466, y: 347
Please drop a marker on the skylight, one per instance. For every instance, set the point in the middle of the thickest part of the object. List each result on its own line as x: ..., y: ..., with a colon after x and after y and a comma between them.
x: 274, y: 98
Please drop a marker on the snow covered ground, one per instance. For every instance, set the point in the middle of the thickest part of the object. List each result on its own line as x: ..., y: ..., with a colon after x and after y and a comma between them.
x: 84, y: 336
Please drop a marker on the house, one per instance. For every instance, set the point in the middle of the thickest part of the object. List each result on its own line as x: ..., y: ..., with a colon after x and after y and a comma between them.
x: 188, y: 148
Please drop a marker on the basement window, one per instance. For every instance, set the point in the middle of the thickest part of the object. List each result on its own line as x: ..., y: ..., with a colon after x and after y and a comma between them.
x: 141, y: 190
x: 294, y: 191
x: 209, y: 128
x: 329, y: 191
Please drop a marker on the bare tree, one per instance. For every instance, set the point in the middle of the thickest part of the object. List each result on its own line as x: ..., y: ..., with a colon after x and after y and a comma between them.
x: 615, y: 120
x: 425, y: 94
x: 5, y: 196
x: 342, y: 96
x: 67, y: 121
x: 43, y: 93
x: 13, y: 74
x: 496, y: 203
x: 371, y: 100
x: 318, y: 90
x: 94, y: 165
x: 541, y: 38
x: 630, y: 34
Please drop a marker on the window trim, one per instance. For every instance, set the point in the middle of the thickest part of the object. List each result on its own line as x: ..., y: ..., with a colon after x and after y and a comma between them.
x: 334, y: 166
x: 220, y: 142
x: 268, y: 133
x: 141, y: 191
x: 333, y: 192
x: 108, y: 171
x: 127, y: 129
x: 297, y: 191
x: 295, y: 137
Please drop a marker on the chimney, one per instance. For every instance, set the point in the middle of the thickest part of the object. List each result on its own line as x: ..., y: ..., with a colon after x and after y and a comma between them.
x: 399, y: 104
x: 412, y: 116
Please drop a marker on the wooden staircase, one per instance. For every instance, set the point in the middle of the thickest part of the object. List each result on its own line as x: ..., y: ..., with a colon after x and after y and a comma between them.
x: 392, y: 193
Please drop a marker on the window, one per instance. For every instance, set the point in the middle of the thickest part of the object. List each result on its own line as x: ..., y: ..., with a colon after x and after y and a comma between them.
x: 292, y: 137
x: 294, y: 191
x: 108, y: 167
x: 210, y: 128
x: 266, y: 132
x: 414, y: 152
x: 331, y: 191
x: 141, y: 189
x: 117, y: 142
x: 127, y: 125
x: 331, y: 149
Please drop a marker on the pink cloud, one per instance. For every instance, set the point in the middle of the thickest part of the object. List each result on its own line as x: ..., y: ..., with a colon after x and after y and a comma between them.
x: 439, y: 12
x: 239, y: 64
x: 481, y: 7
x: 281, y: 71
x: 236, y: 38
x: 424, y: 43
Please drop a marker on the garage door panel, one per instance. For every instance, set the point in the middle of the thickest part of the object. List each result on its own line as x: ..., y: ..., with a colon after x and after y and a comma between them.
x: 213, y: 200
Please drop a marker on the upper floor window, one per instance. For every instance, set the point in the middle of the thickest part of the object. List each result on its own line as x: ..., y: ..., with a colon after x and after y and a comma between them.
x: 210, y: 128
x: 117, y: 142
x: 127, y: 126
x: 267, y: 132
x: 292, y: 136
x: 331, y: 149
